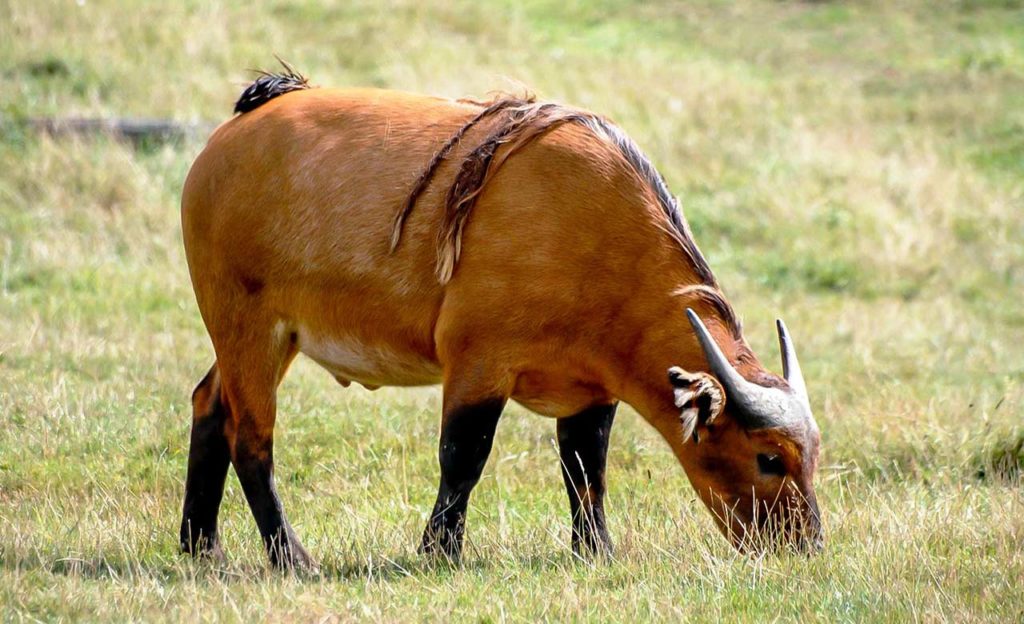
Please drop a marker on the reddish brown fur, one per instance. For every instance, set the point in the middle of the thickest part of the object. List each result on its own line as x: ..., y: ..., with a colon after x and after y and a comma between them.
x: 489, y: 109
x: 569, y: 290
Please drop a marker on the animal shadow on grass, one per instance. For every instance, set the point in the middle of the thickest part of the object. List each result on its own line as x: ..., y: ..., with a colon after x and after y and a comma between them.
x: 414, y: 565
x: 343, y: 568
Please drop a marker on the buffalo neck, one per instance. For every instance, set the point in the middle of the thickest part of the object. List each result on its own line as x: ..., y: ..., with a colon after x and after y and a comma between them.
x: 665, y: 340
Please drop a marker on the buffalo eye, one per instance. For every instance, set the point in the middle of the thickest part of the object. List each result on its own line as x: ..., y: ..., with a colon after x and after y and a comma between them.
x: 771, y: 465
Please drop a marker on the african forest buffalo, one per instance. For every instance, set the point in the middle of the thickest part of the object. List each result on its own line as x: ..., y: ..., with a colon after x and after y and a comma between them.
x: 506, y: 249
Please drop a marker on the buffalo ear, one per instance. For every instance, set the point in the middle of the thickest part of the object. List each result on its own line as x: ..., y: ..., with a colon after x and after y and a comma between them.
x: 699, y: 396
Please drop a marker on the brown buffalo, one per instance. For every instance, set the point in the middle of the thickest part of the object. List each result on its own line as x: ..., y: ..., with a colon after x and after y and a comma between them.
x: 507, y: 249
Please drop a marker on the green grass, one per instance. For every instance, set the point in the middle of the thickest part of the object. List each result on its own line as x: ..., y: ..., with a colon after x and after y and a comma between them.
x: 857, y: 168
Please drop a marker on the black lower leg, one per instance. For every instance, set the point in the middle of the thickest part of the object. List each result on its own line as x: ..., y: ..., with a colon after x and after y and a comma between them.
x: 254, y: 464
x: 583, y: 447
x: 466, y: 437
x: 208, y: 460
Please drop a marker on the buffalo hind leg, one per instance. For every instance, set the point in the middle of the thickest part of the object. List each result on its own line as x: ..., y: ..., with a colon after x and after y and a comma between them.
x: 208, y: 459
x: 251, y: 392
x: 467, y: 432
x: 583, y: 447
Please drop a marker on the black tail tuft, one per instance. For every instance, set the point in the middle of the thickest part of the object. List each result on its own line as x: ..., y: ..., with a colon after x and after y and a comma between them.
x: 270, y: 85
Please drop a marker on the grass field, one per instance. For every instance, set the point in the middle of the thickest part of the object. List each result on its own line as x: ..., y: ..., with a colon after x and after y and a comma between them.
x: 857, y: 168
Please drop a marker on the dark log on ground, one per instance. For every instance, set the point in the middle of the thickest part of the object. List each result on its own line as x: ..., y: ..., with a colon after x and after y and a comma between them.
x: 136, y: 131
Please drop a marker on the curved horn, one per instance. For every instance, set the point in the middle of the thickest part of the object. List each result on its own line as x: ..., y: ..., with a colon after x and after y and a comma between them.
x: 762, y: 406
x: 790, y: 363
x: 717, y: 362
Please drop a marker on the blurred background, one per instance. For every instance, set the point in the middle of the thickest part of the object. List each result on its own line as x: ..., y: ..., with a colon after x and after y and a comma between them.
x: 854, y: 167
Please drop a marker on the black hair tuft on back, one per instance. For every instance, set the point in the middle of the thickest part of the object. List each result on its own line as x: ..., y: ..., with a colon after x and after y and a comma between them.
x: 269, y: 85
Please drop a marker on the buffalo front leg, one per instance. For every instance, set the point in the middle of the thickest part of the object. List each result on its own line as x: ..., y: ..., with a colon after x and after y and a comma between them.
x: 208, y: 460
x: 583, y: 447
x: 467, y: 432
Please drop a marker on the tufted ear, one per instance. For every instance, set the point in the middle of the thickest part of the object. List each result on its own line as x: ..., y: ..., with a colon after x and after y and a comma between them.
x: 699, y: 396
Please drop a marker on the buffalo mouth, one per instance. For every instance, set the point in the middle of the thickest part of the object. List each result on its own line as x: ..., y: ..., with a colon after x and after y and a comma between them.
x: 785, y: 529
